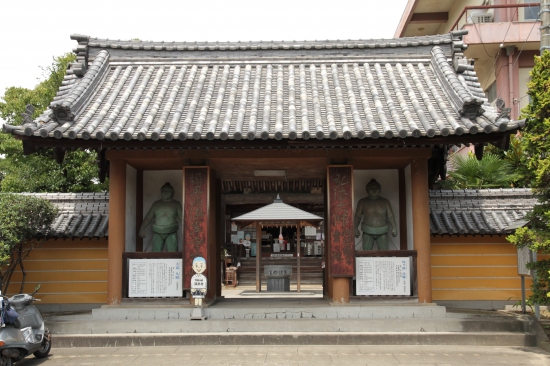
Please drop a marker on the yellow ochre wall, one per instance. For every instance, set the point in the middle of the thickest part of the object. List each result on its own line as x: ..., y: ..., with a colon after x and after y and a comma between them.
x: 70, y: 271
x: 475, y: 268
x: 74, y: 271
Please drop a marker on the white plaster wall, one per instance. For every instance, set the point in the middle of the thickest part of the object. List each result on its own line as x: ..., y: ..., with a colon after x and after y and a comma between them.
x: 130, y: 241
x: 153, y: 180
x: 389, y: 180
x: 408, y: 189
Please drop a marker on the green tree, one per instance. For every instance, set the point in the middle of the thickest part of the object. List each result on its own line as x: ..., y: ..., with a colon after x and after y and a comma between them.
x: 469, y: 173
x: 515, y: 157
x: 536, y: 159
x: 23, y: 220
x: 39, y: 172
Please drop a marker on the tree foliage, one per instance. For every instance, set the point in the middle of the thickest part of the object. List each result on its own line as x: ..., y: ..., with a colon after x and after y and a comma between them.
x: 469, y: 173
x: 515, y: 157
x: 39, y: 172
x: 536, y: 159
x: 23, y: 219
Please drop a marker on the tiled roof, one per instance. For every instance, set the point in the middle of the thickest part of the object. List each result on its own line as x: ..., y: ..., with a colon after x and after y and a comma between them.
x: 396, y: 88
x: 487, y: 211
x: 278, y: 211
x: 262, y: 45
x: 82, y: 215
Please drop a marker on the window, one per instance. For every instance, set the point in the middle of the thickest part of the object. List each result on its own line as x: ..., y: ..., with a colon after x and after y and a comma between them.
x: 491, y: 92
x: 531, y: 12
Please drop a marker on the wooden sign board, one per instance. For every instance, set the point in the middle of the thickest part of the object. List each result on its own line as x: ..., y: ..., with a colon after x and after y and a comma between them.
x: 155, y: 278
x: 196, y: 186
x: 341, y: 241
x: 383, y: 276
x: 525, y: 255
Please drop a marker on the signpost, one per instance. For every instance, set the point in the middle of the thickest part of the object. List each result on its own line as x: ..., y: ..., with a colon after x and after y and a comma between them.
x: 155, y: 278
x: 383, y: 276
x: 524, y: 256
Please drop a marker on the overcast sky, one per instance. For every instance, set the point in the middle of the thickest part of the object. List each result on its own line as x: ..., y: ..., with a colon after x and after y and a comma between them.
x: 32, y: 32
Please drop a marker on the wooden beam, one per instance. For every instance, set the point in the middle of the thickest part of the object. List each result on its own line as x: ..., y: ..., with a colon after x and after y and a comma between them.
x: 137, y: 156
x: 59, y: 154
x: 258, y: 257
x: 267, y: 198
x: 298, y: 250
x: 478, y: 150
x: 441, y: 17
x: 188, y: 146
x: 402, y: 211
x: 139, y: 209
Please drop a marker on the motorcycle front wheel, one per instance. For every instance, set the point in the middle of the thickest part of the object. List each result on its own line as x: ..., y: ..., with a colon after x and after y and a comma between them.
x: 44, y: 349
x: 5, y: 361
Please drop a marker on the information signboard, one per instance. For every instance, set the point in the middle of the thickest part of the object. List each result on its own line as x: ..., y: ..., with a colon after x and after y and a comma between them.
x: 155, y: 278
x: 383, y: 275
x: 525, y: 255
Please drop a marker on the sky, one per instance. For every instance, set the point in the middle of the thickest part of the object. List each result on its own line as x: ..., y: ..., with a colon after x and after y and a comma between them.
x: 33, y: 32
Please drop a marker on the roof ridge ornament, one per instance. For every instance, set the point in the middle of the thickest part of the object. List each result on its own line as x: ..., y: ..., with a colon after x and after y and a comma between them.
x: 503, y: 112
x: 278, y: 199
x: 28, y: 123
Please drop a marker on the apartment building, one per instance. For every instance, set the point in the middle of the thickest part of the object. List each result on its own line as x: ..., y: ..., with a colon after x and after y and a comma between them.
x: 503, y: 38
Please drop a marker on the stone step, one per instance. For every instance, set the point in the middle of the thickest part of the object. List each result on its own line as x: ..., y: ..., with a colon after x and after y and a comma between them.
x: 180, y: 323
x: 311, y: 308
x: 296, y: 338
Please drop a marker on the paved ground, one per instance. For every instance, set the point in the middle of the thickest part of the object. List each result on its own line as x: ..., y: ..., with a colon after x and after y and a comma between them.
x: 295, y: 355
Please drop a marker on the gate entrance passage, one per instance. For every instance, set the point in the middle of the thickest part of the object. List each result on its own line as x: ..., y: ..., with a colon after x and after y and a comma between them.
x: 278, y: 215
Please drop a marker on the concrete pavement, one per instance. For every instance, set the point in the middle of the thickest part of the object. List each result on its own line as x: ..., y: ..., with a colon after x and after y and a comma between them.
x: 294, y: 355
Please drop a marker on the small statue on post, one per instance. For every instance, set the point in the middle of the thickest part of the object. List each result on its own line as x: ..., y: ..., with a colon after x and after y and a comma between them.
x: 377, y: 216
x: 199, y: 284
x: 166, y: 215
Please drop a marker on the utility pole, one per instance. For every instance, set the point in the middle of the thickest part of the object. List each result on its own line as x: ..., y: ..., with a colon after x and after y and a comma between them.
x: 544, y: 16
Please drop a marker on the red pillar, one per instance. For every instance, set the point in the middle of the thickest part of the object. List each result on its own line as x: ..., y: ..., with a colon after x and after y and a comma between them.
x: 421, y: 228
x: 117, y: 230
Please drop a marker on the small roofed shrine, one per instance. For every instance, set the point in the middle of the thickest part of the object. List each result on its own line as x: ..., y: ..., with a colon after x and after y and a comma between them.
x: 229, y: 125
x: 277, y: 214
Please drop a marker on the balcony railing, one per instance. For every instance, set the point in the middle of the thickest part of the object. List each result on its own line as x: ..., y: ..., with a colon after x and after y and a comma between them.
x: 497, y: 13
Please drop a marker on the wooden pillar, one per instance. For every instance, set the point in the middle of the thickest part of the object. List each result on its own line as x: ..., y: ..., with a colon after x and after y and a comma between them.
x: 117, y: 230
x: 139, y: 209
x: 339, y: 222
x: 199, y: 235
x: 340, y: 289
x: 258, y: 257
x: 421, y: 228
x: 298, y: 256
x: 402, y: 210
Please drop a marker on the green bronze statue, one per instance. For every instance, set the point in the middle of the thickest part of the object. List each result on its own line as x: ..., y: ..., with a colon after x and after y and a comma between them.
x: 377, y: 218
x: 166, y: 215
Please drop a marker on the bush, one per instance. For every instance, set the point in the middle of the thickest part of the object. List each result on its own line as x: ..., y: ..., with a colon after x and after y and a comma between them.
x: 24, y: 220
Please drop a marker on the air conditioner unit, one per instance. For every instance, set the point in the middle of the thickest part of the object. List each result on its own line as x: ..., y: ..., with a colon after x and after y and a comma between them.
x: 480, y: 16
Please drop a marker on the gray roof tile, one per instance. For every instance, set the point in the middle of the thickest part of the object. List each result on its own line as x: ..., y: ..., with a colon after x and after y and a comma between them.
x: 496, y: 211
x: 489, y: 211
x: 80, y: 214
x: 268, y: 90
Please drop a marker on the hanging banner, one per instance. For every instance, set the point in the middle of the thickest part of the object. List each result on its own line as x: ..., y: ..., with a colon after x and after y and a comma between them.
x: 340, y: 227
x: 195, y: 218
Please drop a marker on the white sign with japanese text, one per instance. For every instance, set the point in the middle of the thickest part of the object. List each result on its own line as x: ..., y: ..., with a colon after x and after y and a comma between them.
x: 383, y: 275
x: 155, y: 278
